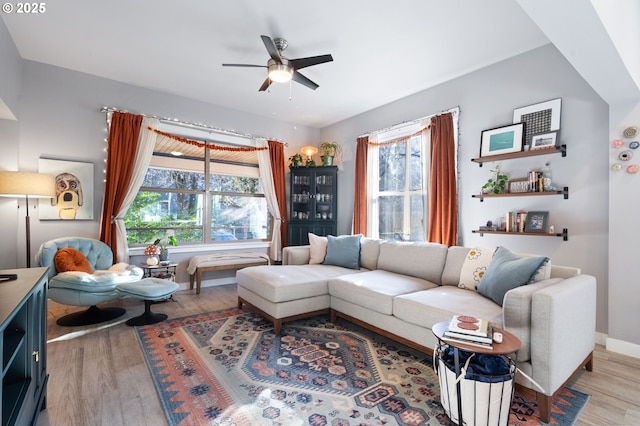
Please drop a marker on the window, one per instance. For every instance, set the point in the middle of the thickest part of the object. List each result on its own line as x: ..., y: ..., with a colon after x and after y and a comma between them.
x: 398, y: 180
x: 398, y: 203
x: 199, y: 199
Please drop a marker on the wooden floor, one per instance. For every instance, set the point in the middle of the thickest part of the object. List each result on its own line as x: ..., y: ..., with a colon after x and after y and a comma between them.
x: 98, y: 375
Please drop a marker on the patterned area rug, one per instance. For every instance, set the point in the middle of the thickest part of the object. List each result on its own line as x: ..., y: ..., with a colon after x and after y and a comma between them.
x: 228, y: 368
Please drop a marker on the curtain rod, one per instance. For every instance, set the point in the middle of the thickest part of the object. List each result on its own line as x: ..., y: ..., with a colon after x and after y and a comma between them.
x: 455, y: 110
x: 198, y: 126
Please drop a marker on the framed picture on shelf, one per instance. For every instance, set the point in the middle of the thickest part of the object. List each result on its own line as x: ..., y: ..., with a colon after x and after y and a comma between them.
x: 519, y: 185
x: 539, y: 118
x: 537, y: 222
x: 502, y: 140
x: 543, y: 140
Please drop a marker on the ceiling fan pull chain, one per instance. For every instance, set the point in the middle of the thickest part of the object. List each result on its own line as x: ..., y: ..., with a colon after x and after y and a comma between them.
x: 290, y: 86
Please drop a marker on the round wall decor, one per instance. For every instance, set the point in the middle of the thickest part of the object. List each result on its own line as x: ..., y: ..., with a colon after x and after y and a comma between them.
x: 630, y: 132
x: 634, y: 145
x: 616, y: 167
x: 617, y: 143
x: 625, y: 155
x: 633, y: 168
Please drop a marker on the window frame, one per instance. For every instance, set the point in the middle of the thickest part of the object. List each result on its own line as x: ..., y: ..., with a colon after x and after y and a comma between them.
x: 164, y: 161
x: 374, y: 195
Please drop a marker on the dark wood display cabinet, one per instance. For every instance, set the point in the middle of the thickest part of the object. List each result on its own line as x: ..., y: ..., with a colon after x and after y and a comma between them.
x: 313, y: 203
x: 23, y: 318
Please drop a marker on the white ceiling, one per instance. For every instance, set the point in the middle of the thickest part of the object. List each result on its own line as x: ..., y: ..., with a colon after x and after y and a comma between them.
x: 382, y: 50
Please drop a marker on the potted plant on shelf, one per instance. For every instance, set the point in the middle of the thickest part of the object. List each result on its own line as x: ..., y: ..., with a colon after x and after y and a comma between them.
x: 164, y: 251
x: 295, y: 161
x: 496, y: 184
x: 328, y: 150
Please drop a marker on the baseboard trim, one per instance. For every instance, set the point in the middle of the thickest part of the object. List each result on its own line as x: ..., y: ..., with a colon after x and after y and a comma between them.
x: 622, y: 347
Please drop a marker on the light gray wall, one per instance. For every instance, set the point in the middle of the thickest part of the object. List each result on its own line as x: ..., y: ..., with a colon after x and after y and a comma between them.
x: 624, y: 229
x: 60, y: 118
x: 486, y: 99
x: 10, y: 83
x: 10, y: 70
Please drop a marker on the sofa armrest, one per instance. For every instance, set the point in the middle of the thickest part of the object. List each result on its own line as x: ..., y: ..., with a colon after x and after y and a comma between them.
x: 296, y: 255
x: 516, y: 313
x: 563, y: 326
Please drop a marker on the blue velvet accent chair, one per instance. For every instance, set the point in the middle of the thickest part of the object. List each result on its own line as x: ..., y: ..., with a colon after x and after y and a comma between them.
x: 84, y: 289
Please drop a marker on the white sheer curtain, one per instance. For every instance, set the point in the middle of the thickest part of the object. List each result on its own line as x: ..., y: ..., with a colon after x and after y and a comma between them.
x: 266, y: 177
x: 146, y: 144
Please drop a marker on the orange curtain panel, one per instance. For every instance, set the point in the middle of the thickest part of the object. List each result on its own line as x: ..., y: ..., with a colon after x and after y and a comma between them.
x: 443, y: 197
x: 122, y: 147
x: 360, y: 199
x: 276, y: 155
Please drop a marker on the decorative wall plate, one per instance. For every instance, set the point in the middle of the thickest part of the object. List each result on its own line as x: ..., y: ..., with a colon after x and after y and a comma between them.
x: 630, y: 132
x: 634, y: 145
x: 633, y: 168
x: 616, y: 167
x: 625, y: 155
x: 617, y: 143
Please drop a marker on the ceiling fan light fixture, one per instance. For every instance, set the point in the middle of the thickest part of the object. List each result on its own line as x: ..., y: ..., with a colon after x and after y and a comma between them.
x: 280, y: 73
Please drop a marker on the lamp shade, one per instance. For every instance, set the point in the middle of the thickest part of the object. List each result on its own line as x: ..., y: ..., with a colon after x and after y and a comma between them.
x: 36, y: 185
x: 309, y: 151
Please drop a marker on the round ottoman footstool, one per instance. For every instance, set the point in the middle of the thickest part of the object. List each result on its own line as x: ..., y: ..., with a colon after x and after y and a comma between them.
x: 149, y: 290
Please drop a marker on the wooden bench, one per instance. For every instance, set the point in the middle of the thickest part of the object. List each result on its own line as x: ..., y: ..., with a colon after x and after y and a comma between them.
x: 222, y: 261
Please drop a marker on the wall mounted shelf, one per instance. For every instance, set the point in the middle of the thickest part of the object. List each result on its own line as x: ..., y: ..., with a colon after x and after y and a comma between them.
x: 564, y: 234
x: 561, y: 149
x: 564, y: 192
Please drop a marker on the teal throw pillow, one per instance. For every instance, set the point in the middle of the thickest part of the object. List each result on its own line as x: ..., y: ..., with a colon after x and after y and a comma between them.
x: 506, y: 271
x: 343, y: 251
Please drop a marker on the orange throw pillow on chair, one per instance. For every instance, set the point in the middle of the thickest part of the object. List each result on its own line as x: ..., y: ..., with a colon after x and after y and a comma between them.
x: 70, y: 259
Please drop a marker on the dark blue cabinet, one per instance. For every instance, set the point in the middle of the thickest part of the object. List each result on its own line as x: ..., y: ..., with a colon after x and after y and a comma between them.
x: 313, y: 203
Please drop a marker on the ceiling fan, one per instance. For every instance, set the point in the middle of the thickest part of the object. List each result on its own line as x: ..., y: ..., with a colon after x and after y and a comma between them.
x: 282, y: 69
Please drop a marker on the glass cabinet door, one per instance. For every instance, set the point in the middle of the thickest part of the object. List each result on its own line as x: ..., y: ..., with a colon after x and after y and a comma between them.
x: 324, y: 196
x: 301, y: 195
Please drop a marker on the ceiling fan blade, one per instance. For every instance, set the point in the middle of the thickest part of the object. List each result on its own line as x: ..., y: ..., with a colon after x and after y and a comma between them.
x: 265, y: 85
x: 304, y: 80
x: 244, y: 65
x: 271, y: 48
x: 312, y: 60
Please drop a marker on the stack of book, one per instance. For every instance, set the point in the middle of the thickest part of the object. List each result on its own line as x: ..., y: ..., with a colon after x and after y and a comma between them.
x: 471, y: 331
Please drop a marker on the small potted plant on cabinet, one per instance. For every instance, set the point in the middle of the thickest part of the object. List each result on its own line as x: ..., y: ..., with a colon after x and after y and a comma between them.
x: 328, y: 150
x: 295, y: 161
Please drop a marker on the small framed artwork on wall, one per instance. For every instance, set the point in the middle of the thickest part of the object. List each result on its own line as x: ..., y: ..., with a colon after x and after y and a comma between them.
x: 502, y: 140
x: 537, y: 222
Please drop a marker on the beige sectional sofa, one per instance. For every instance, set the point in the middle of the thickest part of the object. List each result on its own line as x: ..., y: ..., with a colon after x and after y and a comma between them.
x: 402, y: 289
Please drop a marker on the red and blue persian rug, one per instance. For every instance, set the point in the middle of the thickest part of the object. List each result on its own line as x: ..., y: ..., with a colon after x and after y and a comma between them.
x: 228, y: 368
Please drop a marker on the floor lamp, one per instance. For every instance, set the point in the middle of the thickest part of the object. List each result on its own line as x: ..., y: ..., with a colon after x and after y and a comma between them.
x: 26, y: 184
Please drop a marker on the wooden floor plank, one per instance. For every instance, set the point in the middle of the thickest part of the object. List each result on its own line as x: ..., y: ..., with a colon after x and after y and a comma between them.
x: 98, y: 374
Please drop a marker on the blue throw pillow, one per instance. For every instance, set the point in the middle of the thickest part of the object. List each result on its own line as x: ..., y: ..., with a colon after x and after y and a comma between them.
x: 343, y: 251
x: 507, y: 271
